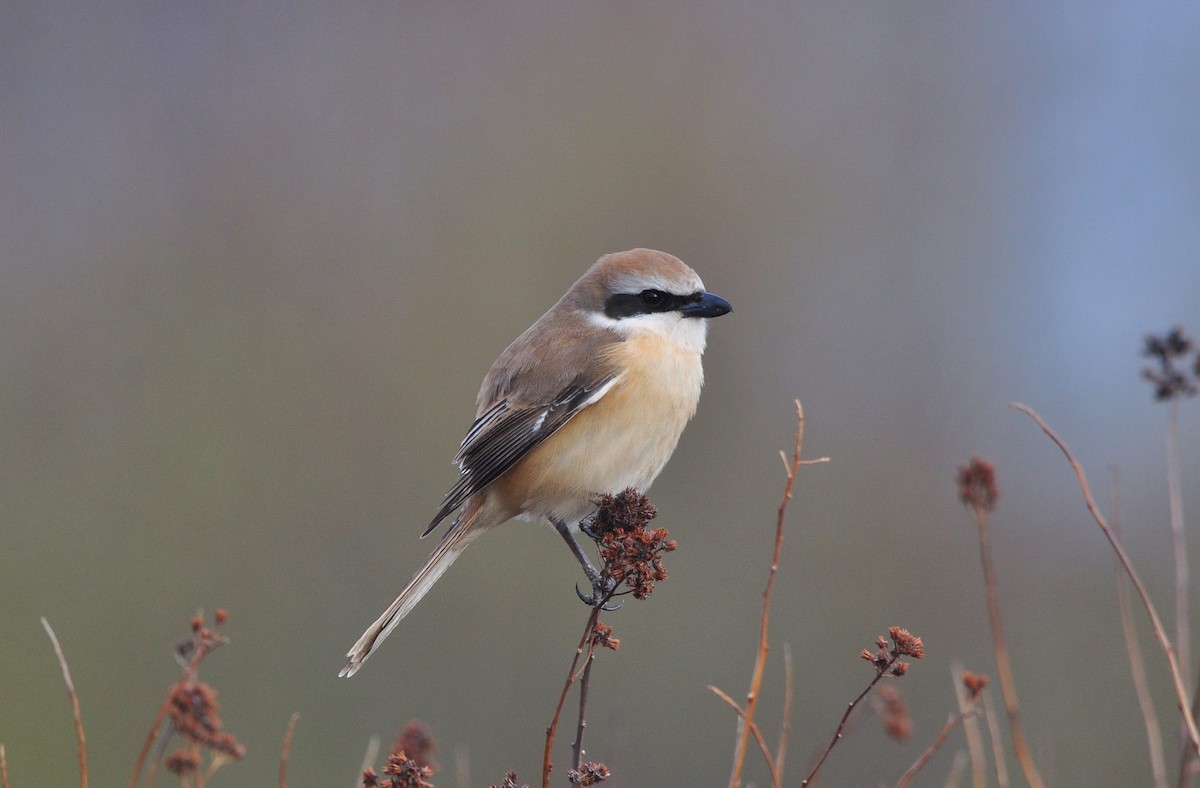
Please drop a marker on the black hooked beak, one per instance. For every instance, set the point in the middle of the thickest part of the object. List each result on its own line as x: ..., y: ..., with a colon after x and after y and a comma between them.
x: 706, y: 305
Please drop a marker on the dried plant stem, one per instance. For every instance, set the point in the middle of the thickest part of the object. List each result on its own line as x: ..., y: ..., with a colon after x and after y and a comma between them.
x: 79, y: 737
x: 1181, y: 694
x: 993, y: 725
x: 785, y: 727
x: 581, y: 725
x: 739, y: 754
x: 1008, y: 687
x: 1187, y: 760
x: 585, y: 644
x: 938, y: 741
x: 1178, y: 539
x: 961, y: 762
x: 970, y: 729
x: 758, y: 737
x: 462, y: 766
x: 3, y: 768
x: 287, y: 748
x: 841, y: 728
x: 1137, y: 664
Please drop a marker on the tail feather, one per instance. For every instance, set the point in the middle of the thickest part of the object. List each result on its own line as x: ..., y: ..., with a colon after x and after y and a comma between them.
x: 453, y: 543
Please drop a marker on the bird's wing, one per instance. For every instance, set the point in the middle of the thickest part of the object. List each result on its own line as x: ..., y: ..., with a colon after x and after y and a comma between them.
x: 509, y: 430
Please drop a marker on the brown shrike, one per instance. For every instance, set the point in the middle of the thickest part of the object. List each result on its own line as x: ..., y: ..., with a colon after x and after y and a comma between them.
x: 591, y: 399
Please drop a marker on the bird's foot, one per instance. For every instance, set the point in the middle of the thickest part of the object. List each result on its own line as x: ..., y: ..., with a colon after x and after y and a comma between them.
x: 587, y: 527
x: 602, y: 589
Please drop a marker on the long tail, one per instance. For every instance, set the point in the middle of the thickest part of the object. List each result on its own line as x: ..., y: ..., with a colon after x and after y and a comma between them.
x: 449, y: 548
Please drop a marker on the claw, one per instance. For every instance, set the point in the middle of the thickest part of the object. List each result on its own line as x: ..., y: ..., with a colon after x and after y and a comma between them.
x: 599, y: 592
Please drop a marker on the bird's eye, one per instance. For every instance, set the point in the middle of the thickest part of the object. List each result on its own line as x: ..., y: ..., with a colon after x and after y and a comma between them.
x: 652, y: 297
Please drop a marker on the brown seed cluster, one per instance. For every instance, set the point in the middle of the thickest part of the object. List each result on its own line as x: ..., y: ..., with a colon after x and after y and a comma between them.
x: 631, y: 552
x: 974, y: 684
x: 510, y: 781
x: 409, y: 765
x: 887, y: 658
x: 977, y: 485
x: 602, y: 637
x: 193, y: 709
x: 417, y: 741
x: 192, y: 706
x: 896, y: 720
x: 589, y: 773
x: 182, y: 763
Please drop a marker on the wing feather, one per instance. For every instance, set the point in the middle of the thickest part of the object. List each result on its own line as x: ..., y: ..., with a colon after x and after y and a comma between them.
x: 508, y: 431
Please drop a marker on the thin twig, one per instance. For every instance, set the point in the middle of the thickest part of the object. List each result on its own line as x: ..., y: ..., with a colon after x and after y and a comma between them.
x: 552, y: 728
x: 1178, y: 539
x: 993, y: 725
x: 785, y: 727
x: 3, y: 768
x: 287, y: 748
x: 739, y: 755
x: 1188, y: 762
x: 938, y: 741
x: 841, y: 728
x: 776, y: 777
x: 961, y: 762
x: 462, y: 766
x: 1008, y: 688
x: 1181, y: 694
x: 79, y: 737
x: 1137, y: 664
x: 581, y: 725
x: 970, y: 729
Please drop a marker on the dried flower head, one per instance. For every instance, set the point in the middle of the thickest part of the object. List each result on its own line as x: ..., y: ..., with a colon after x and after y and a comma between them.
x: 589, y: 773
x: 193, y: 709
x: 1170, y: 377
x: 628, y: 510
x: 894, y: 712
x: 416, y: 740
x: 183, y: 763
x: 404, y: 772
x: 887, y: 659
x: 974, y: 683
x: 977, y: 485
x: 409, y: 764
x: 202, y: 637
x: 510, y: 781
x: 602, y: 637
x: 906, y: 644
x: 632, y: 553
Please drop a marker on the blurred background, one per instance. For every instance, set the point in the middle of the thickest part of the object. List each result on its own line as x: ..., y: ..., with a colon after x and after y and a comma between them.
x: 257, y: 257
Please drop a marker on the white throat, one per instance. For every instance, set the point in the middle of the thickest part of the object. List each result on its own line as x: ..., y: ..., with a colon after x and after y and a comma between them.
x: 686, y: 334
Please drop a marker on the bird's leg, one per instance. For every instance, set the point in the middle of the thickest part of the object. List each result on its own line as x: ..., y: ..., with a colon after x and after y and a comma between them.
x: 588, y: 529
x: 601, y: 586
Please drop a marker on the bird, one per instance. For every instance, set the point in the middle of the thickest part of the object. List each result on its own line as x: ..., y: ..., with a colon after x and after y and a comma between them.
x: 591, y: 399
